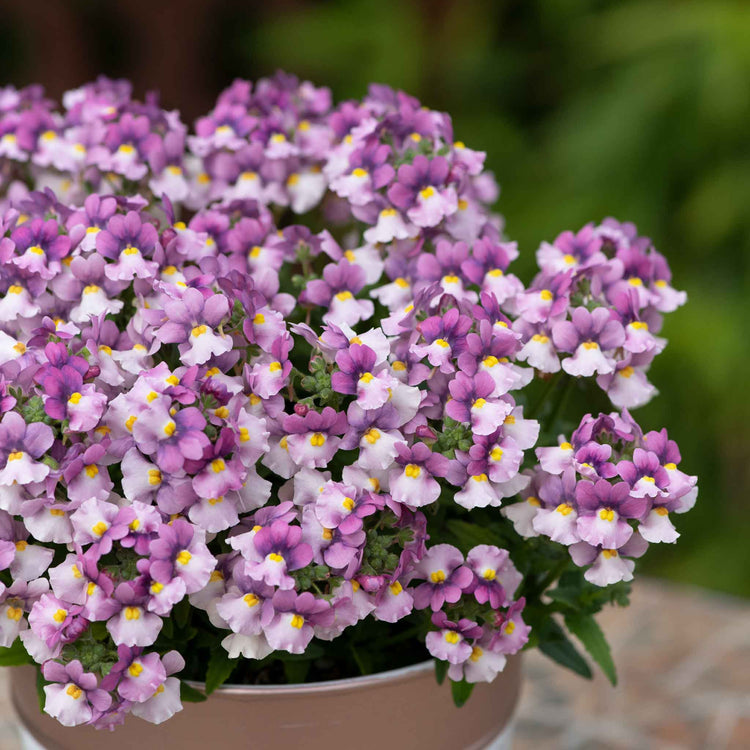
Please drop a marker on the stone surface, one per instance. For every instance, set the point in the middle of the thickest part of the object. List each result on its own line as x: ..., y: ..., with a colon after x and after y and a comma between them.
x: 683, y: 657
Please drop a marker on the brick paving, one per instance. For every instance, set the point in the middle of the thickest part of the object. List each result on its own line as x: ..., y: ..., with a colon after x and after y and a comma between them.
x: 683, y: 657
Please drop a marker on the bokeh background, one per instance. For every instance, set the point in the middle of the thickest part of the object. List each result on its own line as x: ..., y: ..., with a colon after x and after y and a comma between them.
x: 638, y: 109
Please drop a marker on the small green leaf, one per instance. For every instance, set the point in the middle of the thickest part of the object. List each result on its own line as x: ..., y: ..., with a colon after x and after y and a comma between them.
x: 40, y: 694
x: 220, y: 666
x: 14, y: 655
x: 441, y: 670
x: 296, y: 671
x: 588, y: 632
x: 189, y: 694
x: 461, y: 691
x: 181, y: 613
x: 555, y: 644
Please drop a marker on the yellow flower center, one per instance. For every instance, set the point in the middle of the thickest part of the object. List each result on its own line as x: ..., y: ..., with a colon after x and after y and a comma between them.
x: 184, y: 557
x: 412, y: 470
x: 132, y: 613
x: 437, y: 576
x: 317, y: 439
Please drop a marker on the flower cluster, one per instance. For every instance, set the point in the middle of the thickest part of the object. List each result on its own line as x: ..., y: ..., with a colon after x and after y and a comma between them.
x: 222, y: 425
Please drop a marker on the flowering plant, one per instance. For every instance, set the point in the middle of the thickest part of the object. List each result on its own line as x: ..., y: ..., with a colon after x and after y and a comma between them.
x: 274, y: 407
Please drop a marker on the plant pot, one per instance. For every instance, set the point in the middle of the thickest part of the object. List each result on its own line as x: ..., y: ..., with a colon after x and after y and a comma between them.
x: 403, y: 709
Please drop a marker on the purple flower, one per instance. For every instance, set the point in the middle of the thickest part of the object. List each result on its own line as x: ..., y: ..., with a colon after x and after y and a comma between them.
x: 496, y: 578
x: 608, y: 565
x: 20, y: 447
x: 312, y: 440
x: 359, y: 374
x: 242, y: 605
x: 66, y: 397
x: 445, y: 337
x: 133, y: 624
x: 414, y: 484
x: 75, y: 697
x: 129, y: 242
x: 603, y: 510
x: 336, y: 290
x: 645, y: 474
x: 289, y: 619
x: 420, y: 191
x: 446, y: 577
x: 278, y: 550
x: 340, y: 506
x: 180, y: 553
x: 136, y: 676
x: 473, y: 402
x: 451, y: 642
x: 193, y: 322
x: 558, y: 518
x: 547, y: 300
x: 588, y: 335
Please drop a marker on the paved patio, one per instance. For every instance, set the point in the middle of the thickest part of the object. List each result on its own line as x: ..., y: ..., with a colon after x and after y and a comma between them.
x: 684, y: 661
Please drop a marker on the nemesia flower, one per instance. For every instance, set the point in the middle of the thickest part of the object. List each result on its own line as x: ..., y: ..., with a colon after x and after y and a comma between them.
x: 277, y: 368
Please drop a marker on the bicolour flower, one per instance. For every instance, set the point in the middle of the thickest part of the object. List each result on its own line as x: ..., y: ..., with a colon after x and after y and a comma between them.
x: 21, y: 447
x: 420, y: 191
x: 180, y: 553
x: 413, y: 483
x: 496, y: 578
x: 588, y: 336
x: 473, y: 401
x: 289, y: 619
x: 604, y: 510
x: 360, y: 374
x: 445, y: 577
x: 74, y: 696
x: 451, y: 642
x: 276, y: 551
x: 312, y: 439
x: 193, y: 323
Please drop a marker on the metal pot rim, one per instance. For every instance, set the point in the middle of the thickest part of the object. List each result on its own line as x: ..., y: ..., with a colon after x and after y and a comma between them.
x: 346, y: 684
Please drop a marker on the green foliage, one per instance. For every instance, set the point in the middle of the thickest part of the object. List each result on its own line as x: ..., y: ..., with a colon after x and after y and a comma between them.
x: 190, y: 694
x: 220, y: 667
x: 461, y: 691
x: 588, y: 632
x: 14, y: 655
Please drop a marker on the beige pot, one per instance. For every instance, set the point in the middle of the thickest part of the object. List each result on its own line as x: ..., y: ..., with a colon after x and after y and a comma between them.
x: 403, y: 709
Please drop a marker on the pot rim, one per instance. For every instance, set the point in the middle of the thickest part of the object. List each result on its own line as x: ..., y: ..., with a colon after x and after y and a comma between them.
x: 329, y: 686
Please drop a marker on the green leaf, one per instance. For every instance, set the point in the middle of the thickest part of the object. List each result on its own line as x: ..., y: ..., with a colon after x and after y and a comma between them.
x: 461, y: 691
x: 441, y: 670
x: 556, y: 645
x: 588, y: 632
x: 181, y: 613
x: 40, y: 694
x: 189, y: 694
x: 220, y: 666
x: 296, y: 671
x: 14, y: 655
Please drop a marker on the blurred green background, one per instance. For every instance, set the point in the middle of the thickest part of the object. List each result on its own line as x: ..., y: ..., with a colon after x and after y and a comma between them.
x: 638, y: 109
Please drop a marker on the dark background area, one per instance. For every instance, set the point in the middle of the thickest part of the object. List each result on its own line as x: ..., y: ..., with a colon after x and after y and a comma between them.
x: 637, y: 109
